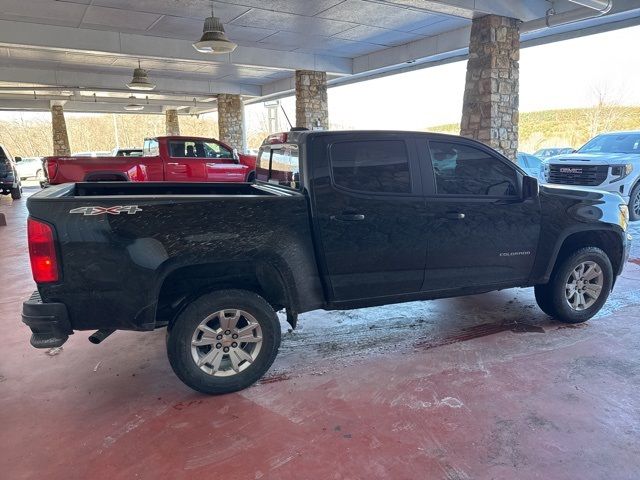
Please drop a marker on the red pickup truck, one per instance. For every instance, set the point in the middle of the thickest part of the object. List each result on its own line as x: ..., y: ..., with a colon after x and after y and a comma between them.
x: 170, y: 159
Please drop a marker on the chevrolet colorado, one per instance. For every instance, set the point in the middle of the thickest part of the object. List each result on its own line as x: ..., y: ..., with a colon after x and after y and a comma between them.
x: 335, y: 220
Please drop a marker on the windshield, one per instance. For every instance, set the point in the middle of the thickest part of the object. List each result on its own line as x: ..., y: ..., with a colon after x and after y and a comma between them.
x: 613, y: 143
x: 279, y: 165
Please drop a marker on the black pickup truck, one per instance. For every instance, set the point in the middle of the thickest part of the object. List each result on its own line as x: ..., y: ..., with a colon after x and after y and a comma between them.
x: 335, y: 220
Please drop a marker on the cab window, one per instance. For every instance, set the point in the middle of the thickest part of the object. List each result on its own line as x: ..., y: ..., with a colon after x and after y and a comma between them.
x: 378, y: 166
x: 461, y: 169
x: 197, y: 149
x: 280, y: 166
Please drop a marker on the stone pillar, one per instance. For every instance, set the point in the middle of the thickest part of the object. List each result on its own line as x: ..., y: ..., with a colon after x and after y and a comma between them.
x: 490, y: 106
x: 231, y: 120
x: 311, y: 99
x: 59, y: 131
x: 171, y: 121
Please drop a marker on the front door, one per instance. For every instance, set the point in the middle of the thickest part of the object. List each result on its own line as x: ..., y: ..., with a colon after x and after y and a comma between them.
x: 367, y: 200
x: 482, y: 231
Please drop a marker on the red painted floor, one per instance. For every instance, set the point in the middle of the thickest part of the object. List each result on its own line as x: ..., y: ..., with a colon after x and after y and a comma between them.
x: 468, y: 388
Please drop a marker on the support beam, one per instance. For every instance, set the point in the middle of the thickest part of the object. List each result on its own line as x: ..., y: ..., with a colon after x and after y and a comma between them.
x: 59, y: 130
x: 490, y: 105
x: 231, y: 121
x: 172, y: 122
x: 39, y: 73
x: 83, y: 40
x: 311, y: 100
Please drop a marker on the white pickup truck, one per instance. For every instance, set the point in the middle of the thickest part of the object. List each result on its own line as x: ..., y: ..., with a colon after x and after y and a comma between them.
x: 609, y: 162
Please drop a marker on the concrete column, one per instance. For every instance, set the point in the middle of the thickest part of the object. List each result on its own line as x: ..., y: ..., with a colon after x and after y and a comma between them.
x: 311, y: 99
x: 59, y: 130
x: 231, y: 120
x: 171, y: 121
x: 490, y: 107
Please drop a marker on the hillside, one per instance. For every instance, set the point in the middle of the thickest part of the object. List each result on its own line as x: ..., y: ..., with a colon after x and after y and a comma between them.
x: 568, y: 127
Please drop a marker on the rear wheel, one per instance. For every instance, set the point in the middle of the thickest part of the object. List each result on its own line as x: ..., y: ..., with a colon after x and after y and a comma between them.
x: 578, y: 286
x: 224, y: 341
x: 16, y: 193
x: 634, y: 203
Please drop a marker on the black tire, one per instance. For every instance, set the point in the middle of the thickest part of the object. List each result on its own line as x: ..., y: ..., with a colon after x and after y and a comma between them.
x: 551, y: 297
x: 16, y: 193
x: 634, y: 203
x: 251, y: 177
x: 182, y: 330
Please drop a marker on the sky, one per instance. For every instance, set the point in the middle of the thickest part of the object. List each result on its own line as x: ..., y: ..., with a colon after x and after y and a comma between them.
x: 564, y: 74
x: 553, y: 76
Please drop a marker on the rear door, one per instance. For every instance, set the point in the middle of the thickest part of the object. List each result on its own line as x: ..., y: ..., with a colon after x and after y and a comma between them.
x: 367, y: 202
x: 183, y: 164
x: 482, y: 232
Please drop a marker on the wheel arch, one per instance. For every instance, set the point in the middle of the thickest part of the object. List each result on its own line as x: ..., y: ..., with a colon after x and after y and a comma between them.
x: 106, y: 176
x: 609, y: 241
x: 183, y: 284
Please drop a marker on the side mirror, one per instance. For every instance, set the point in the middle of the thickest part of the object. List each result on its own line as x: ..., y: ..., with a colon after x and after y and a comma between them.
x: 17, y: 159
x: 530, y: 187
x: 236, y: 157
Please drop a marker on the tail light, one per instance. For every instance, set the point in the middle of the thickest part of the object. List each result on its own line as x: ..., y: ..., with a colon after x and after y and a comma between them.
x: 42, y: 252
x: 52, y: 168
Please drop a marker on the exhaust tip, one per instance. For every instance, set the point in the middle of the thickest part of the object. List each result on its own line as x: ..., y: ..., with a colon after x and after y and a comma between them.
x: 99, y: 336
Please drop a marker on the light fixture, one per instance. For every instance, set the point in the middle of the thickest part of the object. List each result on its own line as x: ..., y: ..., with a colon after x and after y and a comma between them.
x: 214, y: 40
x: 140, y: 80
x: 133, y: 106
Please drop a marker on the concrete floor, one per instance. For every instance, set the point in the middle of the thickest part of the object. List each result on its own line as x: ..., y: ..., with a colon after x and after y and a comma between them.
x: 468, y: 388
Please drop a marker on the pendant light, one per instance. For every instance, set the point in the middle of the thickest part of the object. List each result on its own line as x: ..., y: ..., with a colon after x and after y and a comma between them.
x: 140, y: 80
x: 214, y: 40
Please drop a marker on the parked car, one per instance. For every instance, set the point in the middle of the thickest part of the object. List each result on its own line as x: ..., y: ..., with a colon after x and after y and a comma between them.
x: 551, y: 152
x: 91, y: 154
x: 29, y: 167
x: 126, y: 152
x: 335, y: 220
x: 609, y: 162
x: 171, y: 159
x: 530, y: 164
x: 9, y: 178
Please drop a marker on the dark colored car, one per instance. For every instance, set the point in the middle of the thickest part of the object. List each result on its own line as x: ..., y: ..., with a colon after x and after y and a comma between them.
x: 335, y: 220
x: 9, y: 178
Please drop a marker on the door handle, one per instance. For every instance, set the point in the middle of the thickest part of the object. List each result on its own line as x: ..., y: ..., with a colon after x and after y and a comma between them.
x: 454, y: 215
x: 348, y: 217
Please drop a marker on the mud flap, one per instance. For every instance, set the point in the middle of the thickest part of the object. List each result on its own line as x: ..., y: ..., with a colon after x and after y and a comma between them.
x: 292, y: 318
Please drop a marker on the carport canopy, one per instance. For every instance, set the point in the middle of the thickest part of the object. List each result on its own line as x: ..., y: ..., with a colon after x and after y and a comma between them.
x: 81, y: 53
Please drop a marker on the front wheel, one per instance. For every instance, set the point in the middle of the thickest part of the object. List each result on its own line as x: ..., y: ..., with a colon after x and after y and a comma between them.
x: 224, y: 341
x: 578, y: 286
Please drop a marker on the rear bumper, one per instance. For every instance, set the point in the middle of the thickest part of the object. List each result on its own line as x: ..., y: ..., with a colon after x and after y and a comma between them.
x: 49, y: 322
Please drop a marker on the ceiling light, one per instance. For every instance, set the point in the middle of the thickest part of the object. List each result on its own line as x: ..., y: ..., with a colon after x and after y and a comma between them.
x: 140, y: 80
x: 213, y: 39
x: 133, y: 106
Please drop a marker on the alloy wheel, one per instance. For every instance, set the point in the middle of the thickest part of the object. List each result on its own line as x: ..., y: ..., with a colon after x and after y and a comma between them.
x: 226, y: 342
x: 584, y: 285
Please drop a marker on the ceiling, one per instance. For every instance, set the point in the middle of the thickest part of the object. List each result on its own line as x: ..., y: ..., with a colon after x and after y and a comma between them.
x: 87, y: 47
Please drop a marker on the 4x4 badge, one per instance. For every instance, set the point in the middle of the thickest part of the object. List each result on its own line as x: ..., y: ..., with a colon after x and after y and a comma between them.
x: 117, y: 210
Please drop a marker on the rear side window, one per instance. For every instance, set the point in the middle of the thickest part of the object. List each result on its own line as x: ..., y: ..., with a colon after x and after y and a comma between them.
x: 464, y: 170
x: 150, y: 148
x: 377, y: 166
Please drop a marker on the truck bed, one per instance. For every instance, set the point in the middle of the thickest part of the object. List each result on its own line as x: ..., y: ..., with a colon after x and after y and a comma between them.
x: 121, y: 243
